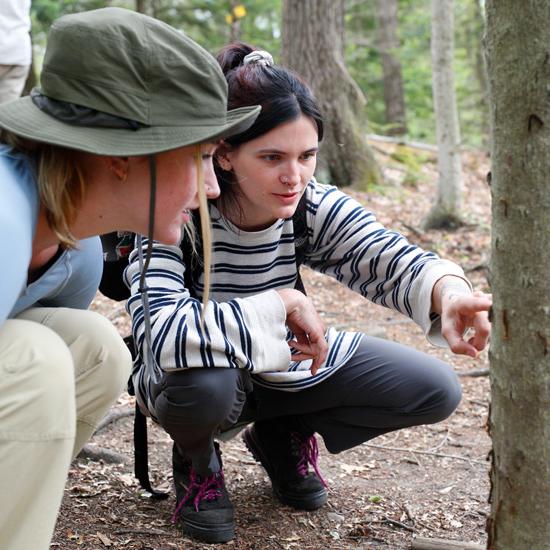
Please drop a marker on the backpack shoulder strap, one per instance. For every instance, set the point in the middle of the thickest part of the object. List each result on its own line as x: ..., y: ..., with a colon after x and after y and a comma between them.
x: 301, y: 239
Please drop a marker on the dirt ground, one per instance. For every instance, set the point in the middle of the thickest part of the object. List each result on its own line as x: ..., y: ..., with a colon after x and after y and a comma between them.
x: 429, y: 481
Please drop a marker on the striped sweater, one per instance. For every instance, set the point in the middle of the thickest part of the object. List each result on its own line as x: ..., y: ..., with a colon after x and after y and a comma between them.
x: 245, y: 319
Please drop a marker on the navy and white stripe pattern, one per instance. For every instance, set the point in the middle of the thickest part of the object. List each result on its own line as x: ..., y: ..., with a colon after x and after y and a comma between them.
x: 244, y: 323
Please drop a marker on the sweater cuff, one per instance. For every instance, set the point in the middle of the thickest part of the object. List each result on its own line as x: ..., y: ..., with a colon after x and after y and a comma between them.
x: 267, y: 321
x: 430, y: 322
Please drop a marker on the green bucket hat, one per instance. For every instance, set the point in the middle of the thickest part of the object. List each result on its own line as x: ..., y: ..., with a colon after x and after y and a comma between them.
x: 116, y: 82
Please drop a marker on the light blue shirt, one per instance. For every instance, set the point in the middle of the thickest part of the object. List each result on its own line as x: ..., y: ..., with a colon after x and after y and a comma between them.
x: 71, y: 281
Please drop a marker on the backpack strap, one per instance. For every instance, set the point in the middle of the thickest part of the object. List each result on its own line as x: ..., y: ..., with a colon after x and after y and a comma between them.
x: 301, y: 240
x: 116, y: 249
x: 141, y: 455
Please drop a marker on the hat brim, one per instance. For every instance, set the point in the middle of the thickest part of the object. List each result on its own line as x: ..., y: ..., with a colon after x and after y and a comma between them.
x: 24, y: 119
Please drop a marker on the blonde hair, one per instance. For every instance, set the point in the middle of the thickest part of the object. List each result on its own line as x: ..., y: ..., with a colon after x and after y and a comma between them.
x: 206, y: 232
x: 61, y: 185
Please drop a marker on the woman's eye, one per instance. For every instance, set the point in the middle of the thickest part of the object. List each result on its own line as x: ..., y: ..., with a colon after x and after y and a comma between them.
x: 308, y: 156
x: 270, y: 158
x: 207, y: 156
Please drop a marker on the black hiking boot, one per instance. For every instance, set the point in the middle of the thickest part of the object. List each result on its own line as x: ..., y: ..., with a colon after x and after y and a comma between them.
x: 286, y: 457
x: 203, y: 504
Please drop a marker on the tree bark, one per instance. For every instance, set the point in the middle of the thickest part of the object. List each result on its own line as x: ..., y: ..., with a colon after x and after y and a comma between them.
x: 394, y: 96
x: 141, y: 6
x: 313, y: 45
x: 445, y: 213
x: 235, y: 27
x: 519, y: 72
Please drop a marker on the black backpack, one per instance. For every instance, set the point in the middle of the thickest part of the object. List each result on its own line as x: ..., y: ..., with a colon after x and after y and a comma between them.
x: 116, y: 249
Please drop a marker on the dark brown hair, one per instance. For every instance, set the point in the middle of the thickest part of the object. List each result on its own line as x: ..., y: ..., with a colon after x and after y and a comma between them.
x: 282, y: 94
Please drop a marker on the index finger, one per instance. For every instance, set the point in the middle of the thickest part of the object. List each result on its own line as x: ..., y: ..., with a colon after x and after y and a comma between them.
x: 472, y: 304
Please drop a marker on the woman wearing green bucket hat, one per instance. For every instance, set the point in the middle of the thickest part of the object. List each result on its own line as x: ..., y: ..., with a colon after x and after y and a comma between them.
x: 123, y: 128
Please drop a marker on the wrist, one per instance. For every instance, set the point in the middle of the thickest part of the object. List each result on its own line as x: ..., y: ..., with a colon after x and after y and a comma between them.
x: 290, y: 298
x: 447, y: 289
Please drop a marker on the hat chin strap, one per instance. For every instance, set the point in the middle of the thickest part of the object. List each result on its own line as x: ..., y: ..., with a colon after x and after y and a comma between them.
x: 150, y: 360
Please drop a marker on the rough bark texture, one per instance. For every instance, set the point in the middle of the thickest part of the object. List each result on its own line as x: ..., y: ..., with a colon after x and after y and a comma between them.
x: 388, y: 42
x: 519, y: 74
x: 313, y: 38
x: 446, y: 210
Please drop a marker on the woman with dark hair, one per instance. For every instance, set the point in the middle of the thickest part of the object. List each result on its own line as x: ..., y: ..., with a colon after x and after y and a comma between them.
x: 363, y: 387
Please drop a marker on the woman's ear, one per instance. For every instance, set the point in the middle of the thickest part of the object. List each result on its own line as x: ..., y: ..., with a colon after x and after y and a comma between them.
x: 119, y: 167
x: 222, y: 157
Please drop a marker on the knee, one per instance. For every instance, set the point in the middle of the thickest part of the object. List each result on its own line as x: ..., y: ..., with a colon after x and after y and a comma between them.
x: 446, y: 397
x: 101, y: 357
x: 38, y: 382
x: 201, y: 397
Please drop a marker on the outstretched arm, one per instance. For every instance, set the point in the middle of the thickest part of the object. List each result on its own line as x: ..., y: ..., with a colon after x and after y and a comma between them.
x: 460, y: 310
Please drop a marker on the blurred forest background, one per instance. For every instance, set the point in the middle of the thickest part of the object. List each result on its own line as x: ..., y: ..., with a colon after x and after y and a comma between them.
x: 213, y: 23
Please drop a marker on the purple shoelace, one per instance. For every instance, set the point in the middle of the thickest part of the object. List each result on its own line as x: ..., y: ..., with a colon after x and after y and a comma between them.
x: 208, y: 489
x: 309, y: 452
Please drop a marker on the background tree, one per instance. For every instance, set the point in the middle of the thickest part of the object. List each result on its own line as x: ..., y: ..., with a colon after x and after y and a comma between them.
x: 446, y: 210
x: 388, y: 44
x: 313, y: 45
x: 519, y: 73
x: 473, y: 91
x: 142, y: 6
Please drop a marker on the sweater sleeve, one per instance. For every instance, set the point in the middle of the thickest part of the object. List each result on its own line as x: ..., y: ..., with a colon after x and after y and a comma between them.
x: 247, y: 333
x: 350, y: 245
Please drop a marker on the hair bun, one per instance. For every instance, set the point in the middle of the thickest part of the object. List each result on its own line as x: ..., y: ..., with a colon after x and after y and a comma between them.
x: 232, y: 56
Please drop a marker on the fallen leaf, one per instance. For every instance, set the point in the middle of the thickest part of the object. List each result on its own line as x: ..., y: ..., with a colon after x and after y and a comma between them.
x: 105, y: 540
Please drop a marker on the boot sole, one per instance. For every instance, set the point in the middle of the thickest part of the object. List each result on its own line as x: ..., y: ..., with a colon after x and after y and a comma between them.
x: 205, y: 533
x: 313, y: 500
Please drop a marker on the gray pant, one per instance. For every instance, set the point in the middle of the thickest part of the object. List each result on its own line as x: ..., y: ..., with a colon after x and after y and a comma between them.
x: 384, y: 387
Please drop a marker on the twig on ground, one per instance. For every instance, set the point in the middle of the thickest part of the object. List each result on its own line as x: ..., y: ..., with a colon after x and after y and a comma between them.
x: 478, y: 402
x: 397, y: 524
x: 431, y: 453
x: 474, y: 372
x: 441, y: 443
x: 140, y: 532
x: 421, y: 543
x: 96, y: 453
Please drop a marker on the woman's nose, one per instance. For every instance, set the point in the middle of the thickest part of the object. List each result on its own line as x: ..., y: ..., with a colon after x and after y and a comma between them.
x: 211, y: 183
x: 291, y: 175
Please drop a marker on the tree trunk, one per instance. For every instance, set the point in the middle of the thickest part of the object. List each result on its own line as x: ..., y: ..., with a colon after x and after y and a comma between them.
x: 313, y: 45
x: 481, y: 70
x: 141, y: 6
x: 445, y: 213
x: 519, y: 73
x: 235, y: 26
x: 394, y: 97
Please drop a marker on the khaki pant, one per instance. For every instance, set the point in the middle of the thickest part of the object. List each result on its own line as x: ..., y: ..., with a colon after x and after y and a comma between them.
x: 60, y: 371
x: 12, y: 81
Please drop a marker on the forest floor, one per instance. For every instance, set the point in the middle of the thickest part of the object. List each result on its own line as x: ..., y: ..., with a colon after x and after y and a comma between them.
x: 429, y: 481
